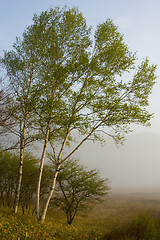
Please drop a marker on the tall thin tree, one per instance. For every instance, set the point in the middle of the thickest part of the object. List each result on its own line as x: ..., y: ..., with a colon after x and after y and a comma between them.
x: 99, y: 100
x: 20, y: 67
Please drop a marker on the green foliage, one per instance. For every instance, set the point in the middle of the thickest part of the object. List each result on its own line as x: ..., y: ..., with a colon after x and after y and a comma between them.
x: 60, y: 73
x: 9, y: 175
x: 111, y: 56
x: 77, y: 188
x: 59, y: 40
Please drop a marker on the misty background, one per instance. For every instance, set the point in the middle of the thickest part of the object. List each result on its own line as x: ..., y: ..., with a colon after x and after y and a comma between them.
x: 136, y: 164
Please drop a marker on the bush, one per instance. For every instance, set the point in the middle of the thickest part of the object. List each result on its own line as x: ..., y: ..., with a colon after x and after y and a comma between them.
x: 141, y: 227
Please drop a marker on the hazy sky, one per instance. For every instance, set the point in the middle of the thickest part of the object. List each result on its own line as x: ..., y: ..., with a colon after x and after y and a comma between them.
x: 139, y: 21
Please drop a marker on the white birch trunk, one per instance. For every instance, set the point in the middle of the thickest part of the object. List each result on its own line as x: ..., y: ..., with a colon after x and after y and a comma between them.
x: 43, y: 156
x: 22, y: 146
x: 41, y: 169
x: 43, y: 216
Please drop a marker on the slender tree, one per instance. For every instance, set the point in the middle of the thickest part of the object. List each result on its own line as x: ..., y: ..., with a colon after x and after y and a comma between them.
x: 20, y: 65
x: 62, y: 46
x: 102, y: 102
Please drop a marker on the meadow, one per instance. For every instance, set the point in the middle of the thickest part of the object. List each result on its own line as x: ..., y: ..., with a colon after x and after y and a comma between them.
x: 122, y: 216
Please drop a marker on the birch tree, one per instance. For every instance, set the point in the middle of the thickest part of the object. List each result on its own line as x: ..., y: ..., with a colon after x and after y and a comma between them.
x: 42, y: 69
x: 63, y: 46
x: 20, y: 66
x: 102, y: 101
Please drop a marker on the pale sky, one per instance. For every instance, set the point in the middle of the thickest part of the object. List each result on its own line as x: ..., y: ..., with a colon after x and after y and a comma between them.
x: 139, y: 21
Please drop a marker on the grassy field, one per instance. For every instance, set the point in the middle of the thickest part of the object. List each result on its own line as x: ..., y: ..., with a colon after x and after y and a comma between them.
x: 122, y: 216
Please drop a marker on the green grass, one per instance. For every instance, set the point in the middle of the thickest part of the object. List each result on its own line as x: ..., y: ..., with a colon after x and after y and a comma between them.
x: 26, y: 227
x: 118, y: 218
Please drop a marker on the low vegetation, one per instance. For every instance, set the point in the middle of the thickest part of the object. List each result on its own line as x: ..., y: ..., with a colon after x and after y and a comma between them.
x: 122, y: 217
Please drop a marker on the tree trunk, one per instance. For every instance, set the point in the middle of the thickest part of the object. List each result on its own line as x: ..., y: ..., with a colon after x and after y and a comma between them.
x: 41, y: 168
x: 69, y: 218
x: 43, y: 216
x: 22, y: 146
x: 43, y: 155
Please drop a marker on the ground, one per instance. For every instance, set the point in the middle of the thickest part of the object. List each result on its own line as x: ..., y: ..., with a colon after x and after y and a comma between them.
x: 131, y: 215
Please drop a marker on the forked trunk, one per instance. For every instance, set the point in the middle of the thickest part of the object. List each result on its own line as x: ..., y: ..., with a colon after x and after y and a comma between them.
x: 69, y: 218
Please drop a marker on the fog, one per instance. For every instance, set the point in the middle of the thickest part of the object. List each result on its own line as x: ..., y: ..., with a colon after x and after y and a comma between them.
x: 135, y: 165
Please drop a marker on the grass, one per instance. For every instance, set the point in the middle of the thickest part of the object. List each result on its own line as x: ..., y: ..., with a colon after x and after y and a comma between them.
x: 119, y: 217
